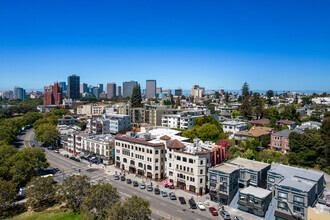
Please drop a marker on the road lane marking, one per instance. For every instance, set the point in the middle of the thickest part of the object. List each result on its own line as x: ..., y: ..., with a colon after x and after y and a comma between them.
x: 162, y: 204
x: 124, y: 194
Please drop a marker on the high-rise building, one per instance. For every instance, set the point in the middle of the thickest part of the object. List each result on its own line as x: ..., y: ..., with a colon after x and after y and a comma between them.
x: 63, y: 84
x: 197, y: 91
x: 150, y: 89
x: 168, y: 92
x: 128, y: 88
x: 178, y: 92
x: 111, y: 90
x: 53, y: 94
x: 100, y: 85
x: 8, y: 95
x: 158, y: 90
x: 73, y: 90
x: 83, y: 88
x: 96, y: 92
x: 118, y: 91
x: 19, y: 93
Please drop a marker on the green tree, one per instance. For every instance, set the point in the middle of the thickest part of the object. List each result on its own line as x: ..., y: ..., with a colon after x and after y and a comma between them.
x: 235, y: 113
x: 133, y: 208
x: 136, y: 98
x: 257, y: 105
x: 191, y: 133
x: 41, y: 193
x: 249, y: 154
x: 82, y: 125
x: 30, y: 117
x: 7, y: 197
x: 270, y: 94
x: 246, y: 109
x: 208, y: 132
x: 178, y: 102
x: 245, y: 90
x: 265, y: 141
x: 47, y: 133
x: 60, y: 112
x: 73, y: 190
x: 227, y: 97
x: 100, y: 198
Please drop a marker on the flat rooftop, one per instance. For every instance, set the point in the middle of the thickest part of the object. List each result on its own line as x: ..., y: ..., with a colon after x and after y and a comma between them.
x: 248, y: 164
x: 256, y: 192
x: 226, y: 168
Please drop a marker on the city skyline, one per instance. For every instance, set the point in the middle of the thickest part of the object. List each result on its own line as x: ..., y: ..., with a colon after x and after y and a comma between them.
x: 279, y: 45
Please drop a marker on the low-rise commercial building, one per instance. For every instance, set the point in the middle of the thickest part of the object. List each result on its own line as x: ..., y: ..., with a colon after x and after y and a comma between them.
x: 182, y: 120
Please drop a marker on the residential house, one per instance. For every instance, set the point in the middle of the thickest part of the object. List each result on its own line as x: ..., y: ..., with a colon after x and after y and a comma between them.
x: 258, y: 122
x: 279, y: 141
x: 254, y: 132
x: 233, y: 126
x: 291, y: 124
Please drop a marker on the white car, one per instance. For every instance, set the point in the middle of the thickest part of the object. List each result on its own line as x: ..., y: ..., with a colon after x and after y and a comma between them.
x: 201, y: 206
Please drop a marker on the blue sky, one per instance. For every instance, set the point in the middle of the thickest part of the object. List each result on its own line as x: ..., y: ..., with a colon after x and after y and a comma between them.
x: 280, y: 45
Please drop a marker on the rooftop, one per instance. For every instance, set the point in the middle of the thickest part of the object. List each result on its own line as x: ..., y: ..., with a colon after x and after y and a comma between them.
x: 256, y: 191
x: 226, y: 168
x: 235, y: 122
x: 287, y: 132
x: 248, y: 164
x: 255, y: 131
x: 286, y: 122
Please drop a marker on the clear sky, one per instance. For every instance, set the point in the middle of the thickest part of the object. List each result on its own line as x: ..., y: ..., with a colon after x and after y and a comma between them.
x: 280, y: 45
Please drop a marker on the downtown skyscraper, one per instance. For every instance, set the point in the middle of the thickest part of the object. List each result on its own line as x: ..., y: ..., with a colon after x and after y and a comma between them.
x: 150, y: 89
x: 128, y: 88
x: 73, y: 89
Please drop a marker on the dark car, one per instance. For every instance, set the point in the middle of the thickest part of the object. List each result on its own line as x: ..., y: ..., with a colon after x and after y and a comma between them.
x: 149, y: 188
x: 157, y: 191
x: 76, y: 159
x: 213, y: 211
x: 116, y: 177
x: 135, y: 184
x: 128, y: 181
x: 182, y: 200
x: 172, y: 196
x: 225, y: 215
x: 66, y: 155
x: 192, y: 204
x: 122, y: 178
x: 72, y: 157
x: 56, y: 169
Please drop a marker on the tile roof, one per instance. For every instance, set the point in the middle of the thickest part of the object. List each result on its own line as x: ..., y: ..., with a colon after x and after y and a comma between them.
x: 176, y: 144
x: 138, y: 141
x: 286, y: 122
x: 262, y: 121
x: 255, y: 131
x: 165, y: 137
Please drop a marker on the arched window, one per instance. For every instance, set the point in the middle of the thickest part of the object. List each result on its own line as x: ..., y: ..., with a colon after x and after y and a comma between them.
x: 149, y: 167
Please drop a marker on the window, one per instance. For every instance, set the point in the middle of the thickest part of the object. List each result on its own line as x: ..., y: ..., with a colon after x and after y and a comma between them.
x: 178, y: 157
x: 140, y: 165
x: 282, y: 205
x: 125, y: 160
x: 253, y: 177
x: 171, y: 173
x: 298, y: 199
x: 202, y: 162
x: 184, y: 159
x: 242, y: 198
x: 156, y: 167
x: 242, y: 175
x: 191, y: 161
x: 156, y: 160
x: 201, y: 181
x: 282, y: 195
x: 271, y: 179
x: 201, y: 171
x: 170, y: 165
x: 298, y: 209
x: 149, y: 167
x: 156, y: 151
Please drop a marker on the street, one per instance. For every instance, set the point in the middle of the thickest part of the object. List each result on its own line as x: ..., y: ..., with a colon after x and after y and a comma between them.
x: 162, y: 207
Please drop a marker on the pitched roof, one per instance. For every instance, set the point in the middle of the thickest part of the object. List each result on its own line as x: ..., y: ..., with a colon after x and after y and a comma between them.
x: 138, y: 141
x: 165, y: 137
x: 287, y: 132
x: 286, y: 122
x: 262, y: 121
x: 175, y: 144
x: 255, y: 131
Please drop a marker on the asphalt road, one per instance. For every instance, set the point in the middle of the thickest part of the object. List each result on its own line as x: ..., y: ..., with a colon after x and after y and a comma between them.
x: 162, y: 207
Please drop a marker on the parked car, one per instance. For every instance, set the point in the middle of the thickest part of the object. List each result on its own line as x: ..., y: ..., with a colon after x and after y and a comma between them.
x: 149, y: 188
x: 57, y: 151
x: 225, y: 215
x: 182, y: 200
x: 51, y: 148
x: 192, y: 204
x: 213, y: 211
x: 66, y: 155
x: 201, y: 206
x: 122, y: 178
x: 172, y: 196
x: 128, y: 181
x: 164, y: 193
x: 135, y: 184
x: 76, y: 159
x: 157, y: 191
x: 72, y: 157
x: 56, y: 169
x: 116, y: 177
x: 142, y: 186
x: 238, y: 218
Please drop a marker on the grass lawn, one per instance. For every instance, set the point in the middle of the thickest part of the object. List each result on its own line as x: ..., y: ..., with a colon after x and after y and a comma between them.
x: 48, y: 214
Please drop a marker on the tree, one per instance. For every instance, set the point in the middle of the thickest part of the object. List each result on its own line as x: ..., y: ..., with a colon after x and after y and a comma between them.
x: 47, y: 133
x: 60, y: 112
x: 82, y: 125
x: 227, y: 97
x: 235, y: 113
x: 178, y: 102
x: 246, y: 109
x: 245, y: 90
x: 208, y: 132
x: 191, y: 133
x: 133, y: 208
x: 99, y: 199
x: 136, y: 98
x: 41, y: 193
x: 265, y: 141
x: 7, y: 197
x: 269, y: 94
x: 257, y: 105
x: 73, y: 190
x: 30, y: 117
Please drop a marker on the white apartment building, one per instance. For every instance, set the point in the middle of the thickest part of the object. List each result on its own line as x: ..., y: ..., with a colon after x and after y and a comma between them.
x: 99, y: 146
x: 233, y: 126
x: 138, y: 153
x: 197, y: 91
x: 110, y: 123
x: 92, y: 109
x: 182, y: 120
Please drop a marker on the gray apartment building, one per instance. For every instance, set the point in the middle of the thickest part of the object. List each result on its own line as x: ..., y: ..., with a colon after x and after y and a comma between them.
x: 295, y: 189
x: 223, y: 183
x: 118, y: 91
x: 111, y: 90
x: 73, y: 89
x: 150, y: 89
x: 83, y: 88
x: 19, y: 93
x: 178, y: 92
x: 128, y: 88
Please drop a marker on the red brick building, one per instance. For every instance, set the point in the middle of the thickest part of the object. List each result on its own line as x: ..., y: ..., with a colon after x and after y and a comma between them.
x: 53, y: 95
